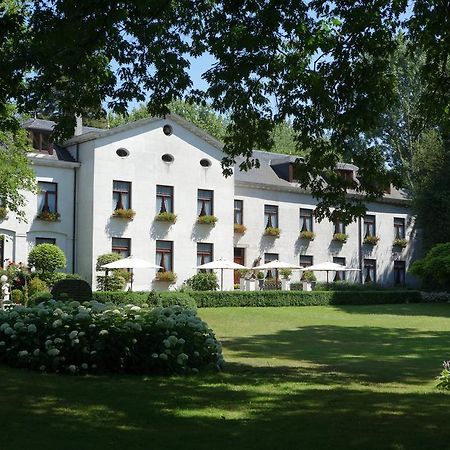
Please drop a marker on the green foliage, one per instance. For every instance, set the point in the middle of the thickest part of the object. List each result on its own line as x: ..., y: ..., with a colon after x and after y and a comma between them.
x: 39, y: 297
x: 434, y: 268
x: 17, y: 296
x: 106, y: 259
x: 3, y: 213
x: 286, y: 273
x: 166, y: 276
x: 340, y: 237
x: 239, y: 228
x: 260, y: 275
x: 48, y: 216
x: 165, y: 299
x: 207, y: 219
x: 111, y: 282
x: 47, y: 258
x: 272, y: 231
x: 166, y: 217
x: 78, y: 290
x: 127, y: 214
x: 308, y: 275
x: 36, y: 285
x: 203, y: 281
x: 308, y: 235
x: 444, y: 377
x: 371, y: 240
x: 121, y: 297
x: 400, y: 242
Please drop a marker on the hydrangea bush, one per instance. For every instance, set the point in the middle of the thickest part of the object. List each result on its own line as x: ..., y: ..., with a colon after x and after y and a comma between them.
x: 95, y: 338
x: 444, y: 378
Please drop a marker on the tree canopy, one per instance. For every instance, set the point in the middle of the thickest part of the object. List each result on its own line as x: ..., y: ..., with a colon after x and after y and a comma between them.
x: 325, y: 66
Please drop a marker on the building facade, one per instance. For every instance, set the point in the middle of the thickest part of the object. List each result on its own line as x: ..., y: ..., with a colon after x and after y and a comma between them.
x: 169, y: 166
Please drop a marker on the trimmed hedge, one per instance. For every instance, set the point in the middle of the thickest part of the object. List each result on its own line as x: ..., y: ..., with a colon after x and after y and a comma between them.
x: 212, y: 299
x: 78, y: 290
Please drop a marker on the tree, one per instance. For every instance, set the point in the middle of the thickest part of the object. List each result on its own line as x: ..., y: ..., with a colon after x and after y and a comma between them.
x: 323, y: 65
x: 116, y: 281
x: 47, y: 258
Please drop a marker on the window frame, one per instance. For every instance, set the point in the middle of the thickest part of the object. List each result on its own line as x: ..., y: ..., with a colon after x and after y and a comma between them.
x: 163, y: 197
x: 339, y: 227
x: 45, y: 240
x: 268, y: 257
x: 269, y: 215
x: 118, y: 249
x: 399, y: 273
x: 369, y: 263
x: 307, y: 215
x: 204, y: 201
x: 239, y: 210
x: 38, y: 137
x: 203, y: 254
x: 122, y: 192
x: 369, y: 224
x: 307, y: 264
x: 339, y: 275
x: 399, y: 226
x: 47, y: 193
x: 159, y: 255
x: 2, y: 252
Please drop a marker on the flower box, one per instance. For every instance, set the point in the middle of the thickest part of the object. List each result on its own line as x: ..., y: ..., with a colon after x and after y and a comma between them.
x: 272, y: 231
x: 166, y: 276
x: 340, y: 237
x: 207, y: 220
x: 402, y: 243
x: 239, y: 228
x: 48, y: 216
x: 371, y: 240
x: 308, y: 235
x: 127, y: 214
x: 167, y: 217
x: 3, y: 213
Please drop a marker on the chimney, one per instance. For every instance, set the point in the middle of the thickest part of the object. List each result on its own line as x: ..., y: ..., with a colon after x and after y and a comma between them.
x: 79, y: 126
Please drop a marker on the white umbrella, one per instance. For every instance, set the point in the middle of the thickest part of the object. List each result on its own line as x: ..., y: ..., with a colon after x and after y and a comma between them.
x: 329, y: 267
x: 275, y: 264
x: 221, y: 264
x: 131, y: 263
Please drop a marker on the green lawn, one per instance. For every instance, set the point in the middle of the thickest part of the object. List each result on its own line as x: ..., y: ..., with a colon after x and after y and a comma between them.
x: 297, y: 378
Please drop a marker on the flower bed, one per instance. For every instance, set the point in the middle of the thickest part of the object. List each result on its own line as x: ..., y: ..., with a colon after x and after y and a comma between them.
x: 92, y: 337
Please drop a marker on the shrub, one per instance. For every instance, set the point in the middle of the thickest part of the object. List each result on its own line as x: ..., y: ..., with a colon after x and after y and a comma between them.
x: 78, y: 290
x: 400, y: 243
x: 371, y: 240
x: 47, y: 258
x: 50, y: 278
x: 97, y: 338
x: 121, y: 297
x: 434, y: 268
x: 308, y: 235
x: 436, y: 297
x: 207, y: 220
x: 243, y: 272
x: 116, y: 279
x: 37, y: 285
x: 39, y: 297
x: 48, y: 216
x: 444, y: 378
x: 127, y: 214
x: 272, y: 231
x: 203, y: 281
x: 166, y: 276
x: 286, y: 273
x: 166, y: 217
x: 302, y: 298
x: 171, y: 298
x: 260, y: 275
x: 340, y: 237
x: 239, y: 228
x: 348, y: 286
x: 17, y: 296
x: 3, y: 213
x: 308, y: 275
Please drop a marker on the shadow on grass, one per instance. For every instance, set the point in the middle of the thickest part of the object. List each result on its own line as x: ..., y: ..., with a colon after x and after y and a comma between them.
x: 361, y: 354
x: 216, y: 411
x: 416, y: 309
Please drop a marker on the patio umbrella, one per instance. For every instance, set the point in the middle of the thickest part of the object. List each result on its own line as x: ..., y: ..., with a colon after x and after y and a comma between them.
x: 329, y: 267
x: 275, y: 264
x: 221, y: 264
x: 131, y: 263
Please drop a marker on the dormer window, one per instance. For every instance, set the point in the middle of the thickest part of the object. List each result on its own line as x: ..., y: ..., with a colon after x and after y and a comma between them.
x: 346, y: 174
x: 42, y: 141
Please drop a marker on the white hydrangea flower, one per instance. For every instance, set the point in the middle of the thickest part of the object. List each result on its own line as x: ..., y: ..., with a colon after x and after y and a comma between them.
x: 9, y: 331
x: 73, y: 334
x: 32, y: 328
x: 53, y: 352
x: 2, y: 343
x: 18, y: 325
x: 57, y: 323
x: 4, y: 326
x: 154, y: 355
x: 134, y: 340
x: 23, y: 353
x: 36, y: 352
x: 84, y: 366
x: 163, y: 356
x: 58, y: 340
x: 42, y: 368
x: 103, y: 332
x: 72, y: 368
x: 181, y: 341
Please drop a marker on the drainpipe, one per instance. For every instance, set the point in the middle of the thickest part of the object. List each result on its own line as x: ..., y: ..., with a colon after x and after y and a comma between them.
x: 74, y: 222
x: 360, y: 250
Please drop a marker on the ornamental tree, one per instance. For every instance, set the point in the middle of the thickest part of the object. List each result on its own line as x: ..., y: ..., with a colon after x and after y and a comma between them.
x: 47, y: 258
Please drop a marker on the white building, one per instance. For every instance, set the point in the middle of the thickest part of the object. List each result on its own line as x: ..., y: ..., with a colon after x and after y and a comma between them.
x: 155, y: 165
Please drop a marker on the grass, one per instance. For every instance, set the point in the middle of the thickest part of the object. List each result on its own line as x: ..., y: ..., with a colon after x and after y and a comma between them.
x: 307, y: 377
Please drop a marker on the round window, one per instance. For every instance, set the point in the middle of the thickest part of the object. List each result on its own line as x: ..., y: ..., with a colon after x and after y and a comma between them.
x: 122, y: 152
x: 205, y: 162
x: 167, y: 130
x: 167, y: 158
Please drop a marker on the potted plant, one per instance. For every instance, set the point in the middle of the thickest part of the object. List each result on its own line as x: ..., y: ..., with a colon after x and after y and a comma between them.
x: 272, y: 231
x: 121, y: 213
x: 308, y: 278
x: 166, y: 276
x: 371, y: 240
x: 3, y: 213
x: 207, y: 220
x: 239, y: 228
x: 399, y: 242
x: 340, y: 237
x: 286, y: 279
x: 260, y: 276
x: 307, y: 235
x: 167, y: 217
x: 48, y: 216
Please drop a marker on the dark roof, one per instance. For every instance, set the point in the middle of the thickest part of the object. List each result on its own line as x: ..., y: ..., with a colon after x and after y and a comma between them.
x: 48, y: 125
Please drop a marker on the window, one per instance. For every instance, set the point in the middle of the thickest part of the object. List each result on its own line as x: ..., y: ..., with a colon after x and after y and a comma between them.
x: 47, y: 197
x: 339, y: 276
x: 205, y: 162
x: 40, y: 240
x: 122, y: 152
x: 369, y: 226
x: 399, y: 272
x: 204, y: 254
x: 399, y: 228
x: 167, y: 130
x: 346, y: 174
x: 164, y: 199
x: 121, y: 246
x: 339, y: 227
x: 167, y: 158
x: 271, y: 216
x: 164, y: 255
x: 205, y: 202
x: 306, y: 260
x: 239, y: 212
x: 306, y: 219
x: 369, y: 271
x: 268, y: 257
x: 121, y: 195
x: 2, y: 251
x: 42, y: 141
